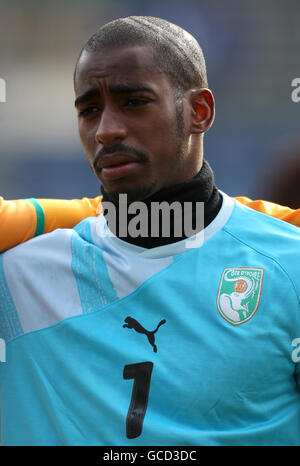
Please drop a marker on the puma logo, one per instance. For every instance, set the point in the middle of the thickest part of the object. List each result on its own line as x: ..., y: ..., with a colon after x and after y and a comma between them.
x: 132, y: 323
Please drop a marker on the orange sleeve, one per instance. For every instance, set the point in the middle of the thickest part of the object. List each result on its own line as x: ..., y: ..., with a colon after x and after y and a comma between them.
x: 22, y: 219
x: 17, y: 222
x: 275, y: 210
x: 61, y: 213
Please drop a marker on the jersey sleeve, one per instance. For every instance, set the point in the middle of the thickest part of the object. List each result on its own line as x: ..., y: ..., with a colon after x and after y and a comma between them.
x: 18, y: 222
x: 21, y: 220
x: 61, y: 213
x: 274, y: 210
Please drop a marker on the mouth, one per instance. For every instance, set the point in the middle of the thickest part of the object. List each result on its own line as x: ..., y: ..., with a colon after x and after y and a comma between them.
x: 115, y: 166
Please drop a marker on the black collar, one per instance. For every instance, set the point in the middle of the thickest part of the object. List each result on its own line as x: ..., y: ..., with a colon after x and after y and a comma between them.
x: 201, y: 188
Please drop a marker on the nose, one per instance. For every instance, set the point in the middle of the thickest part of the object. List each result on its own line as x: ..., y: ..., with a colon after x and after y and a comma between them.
x: 110, y: 129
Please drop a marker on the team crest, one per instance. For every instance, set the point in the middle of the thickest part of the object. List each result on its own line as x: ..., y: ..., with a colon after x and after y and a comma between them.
x: 239, y: 293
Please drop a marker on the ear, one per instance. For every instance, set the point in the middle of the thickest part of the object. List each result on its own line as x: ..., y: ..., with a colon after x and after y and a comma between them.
x: 202, y: 110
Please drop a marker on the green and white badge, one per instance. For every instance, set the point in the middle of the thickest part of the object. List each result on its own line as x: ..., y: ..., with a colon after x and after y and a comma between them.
x: 239, y: 293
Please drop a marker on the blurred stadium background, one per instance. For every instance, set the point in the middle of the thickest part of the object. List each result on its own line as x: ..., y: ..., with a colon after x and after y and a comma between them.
x: 252, y: 53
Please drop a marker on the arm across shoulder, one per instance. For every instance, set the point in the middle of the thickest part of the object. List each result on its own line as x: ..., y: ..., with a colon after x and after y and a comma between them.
x: 274, y: 210
x: 22, y: 219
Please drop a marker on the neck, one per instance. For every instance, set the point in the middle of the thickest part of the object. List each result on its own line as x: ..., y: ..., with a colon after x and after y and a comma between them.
x: 185, y: 209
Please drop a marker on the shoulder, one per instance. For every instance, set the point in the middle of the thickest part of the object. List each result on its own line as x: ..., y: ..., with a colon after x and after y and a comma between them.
x: 274, y: 239
x: 51, y: 246
x: 259, y: 227
x: 275, y: 210
x: 36, y: 255
x: 40, y: 271
x: 41, y: 255
x: 49, y: 250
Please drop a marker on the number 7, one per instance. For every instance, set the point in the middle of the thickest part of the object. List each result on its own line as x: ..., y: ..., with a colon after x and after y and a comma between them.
x: 141, y: 373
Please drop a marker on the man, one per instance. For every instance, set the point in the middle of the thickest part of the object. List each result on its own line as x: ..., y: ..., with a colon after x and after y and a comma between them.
x: 152, y: 339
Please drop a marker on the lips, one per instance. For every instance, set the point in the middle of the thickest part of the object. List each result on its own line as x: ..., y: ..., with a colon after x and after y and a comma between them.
x: 117, y: 165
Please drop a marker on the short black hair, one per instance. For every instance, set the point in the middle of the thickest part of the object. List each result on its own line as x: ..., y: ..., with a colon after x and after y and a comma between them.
x: 177, y: 53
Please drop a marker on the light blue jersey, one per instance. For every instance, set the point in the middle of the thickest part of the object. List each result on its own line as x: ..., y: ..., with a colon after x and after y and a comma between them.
x: 108, y: 343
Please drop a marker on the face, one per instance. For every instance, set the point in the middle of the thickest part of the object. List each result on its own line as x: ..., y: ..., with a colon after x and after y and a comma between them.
x: 128, y: 122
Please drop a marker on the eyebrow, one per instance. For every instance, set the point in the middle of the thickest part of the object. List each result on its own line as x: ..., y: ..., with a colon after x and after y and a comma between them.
x: 90, y: 94
x: 114, y: 89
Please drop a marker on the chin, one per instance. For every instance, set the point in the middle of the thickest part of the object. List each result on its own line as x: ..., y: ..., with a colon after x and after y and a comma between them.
x: 133, y: 194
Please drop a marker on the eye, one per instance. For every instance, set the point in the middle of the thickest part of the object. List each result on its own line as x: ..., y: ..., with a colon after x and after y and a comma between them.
x: 88, y: 111
x: 136, y: 102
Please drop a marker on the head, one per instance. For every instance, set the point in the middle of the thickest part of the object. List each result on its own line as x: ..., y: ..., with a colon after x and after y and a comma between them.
x: 143, y: 105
